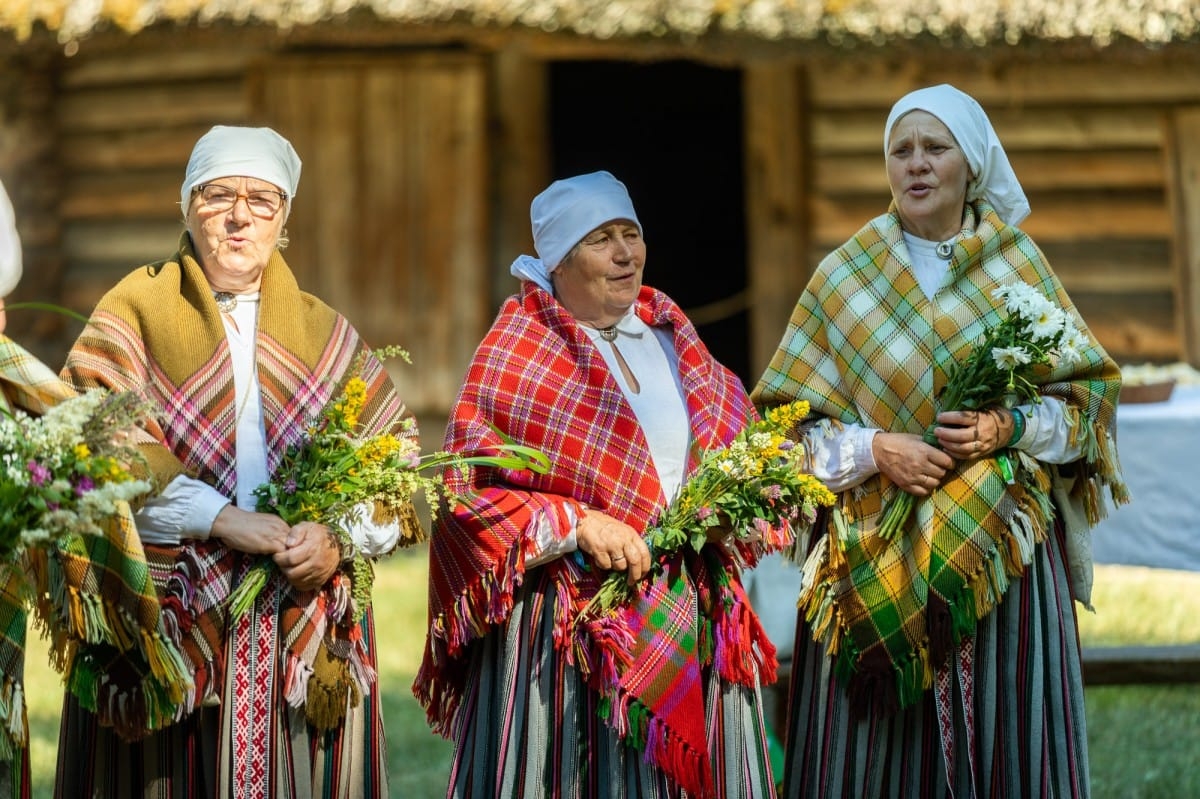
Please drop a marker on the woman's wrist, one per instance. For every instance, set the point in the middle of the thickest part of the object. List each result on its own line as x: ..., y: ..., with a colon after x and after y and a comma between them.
x: 1018, y: 423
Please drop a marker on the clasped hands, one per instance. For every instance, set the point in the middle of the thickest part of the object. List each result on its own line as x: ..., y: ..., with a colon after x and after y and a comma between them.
x: 306, y: 554
x: 918, y: 468
x: 615, y: 546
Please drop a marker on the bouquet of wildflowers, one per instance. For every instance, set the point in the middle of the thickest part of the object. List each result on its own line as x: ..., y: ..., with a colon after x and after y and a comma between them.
x: 754, y: 487
x: 68, y: 471
x: 335, y: 471
x: 1034, y: 334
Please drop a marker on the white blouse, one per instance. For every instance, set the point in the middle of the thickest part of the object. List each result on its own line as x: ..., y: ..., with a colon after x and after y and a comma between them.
x: 187, y: 507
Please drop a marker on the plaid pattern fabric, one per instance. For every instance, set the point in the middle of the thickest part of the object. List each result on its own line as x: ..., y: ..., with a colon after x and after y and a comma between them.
x: 865, y: 346
x: 538, y: 379
x: 28, y: 384
x: 159, y: 331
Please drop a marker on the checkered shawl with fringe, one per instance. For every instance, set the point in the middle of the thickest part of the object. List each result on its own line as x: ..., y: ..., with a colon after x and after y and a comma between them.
x: 25, y: 384
x: 159, y: 332
x: 865, y: 346
x: 539, y: 379
x: 93, y: 589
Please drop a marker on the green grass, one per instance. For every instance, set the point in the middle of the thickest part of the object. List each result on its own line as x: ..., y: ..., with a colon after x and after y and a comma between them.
x: 1143, y: 739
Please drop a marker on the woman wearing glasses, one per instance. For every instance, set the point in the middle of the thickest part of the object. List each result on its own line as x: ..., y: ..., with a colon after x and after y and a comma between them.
x: 238, y: 360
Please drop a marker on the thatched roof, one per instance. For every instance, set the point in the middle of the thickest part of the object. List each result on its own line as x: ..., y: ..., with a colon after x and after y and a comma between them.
x: 1100, y: 22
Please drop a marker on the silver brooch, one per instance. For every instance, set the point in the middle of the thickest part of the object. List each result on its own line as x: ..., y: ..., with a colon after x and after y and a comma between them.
x: 226, y: 301
x: 944, y: 250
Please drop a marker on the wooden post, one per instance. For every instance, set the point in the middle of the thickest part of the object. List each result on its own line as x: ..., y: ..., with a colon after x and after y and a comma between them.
x: 1183, y: 185
x: 520, y: 154
x: 777, y: 182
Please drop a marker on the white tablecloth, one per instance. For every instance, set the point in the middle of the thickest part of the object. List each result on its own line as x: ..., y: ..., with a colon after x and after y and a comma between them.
x: 1159, y: 447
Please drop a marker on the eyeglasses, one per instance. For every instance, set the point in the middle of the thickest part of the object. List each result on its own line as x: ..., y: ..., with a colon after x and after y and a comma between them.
x: 263, y: 203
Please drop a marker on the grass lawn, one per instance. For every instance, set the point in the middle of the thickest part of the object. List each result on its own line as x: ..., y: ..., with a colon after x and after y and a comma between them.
x: 1144, y: 740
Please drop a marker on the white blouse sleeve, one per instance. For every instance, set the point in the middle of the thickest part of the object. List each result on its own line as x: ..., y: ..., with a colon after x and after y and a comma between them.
x: 186, y: 508
x: 1047, y: 434
x: 841, y: 455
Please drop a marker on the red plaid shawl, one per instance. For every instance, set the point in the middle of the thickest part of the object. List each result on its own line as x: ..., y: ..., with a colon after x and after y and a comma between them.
x: 538, y: 378
x: 159, y: 331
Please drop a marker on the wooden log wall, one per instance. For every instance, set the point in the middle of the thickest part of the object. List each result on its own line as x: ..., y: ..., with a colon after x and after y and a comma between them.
x: 1088, y: 141
x: 31, y: 173
x: 127, y: 119
x: 1105, y: 149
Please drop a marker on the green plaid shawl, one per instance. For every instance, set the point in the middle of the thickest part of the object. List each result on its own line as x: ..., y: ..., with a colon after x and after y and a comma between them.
x: 95, y: 591
x: 866, y: 346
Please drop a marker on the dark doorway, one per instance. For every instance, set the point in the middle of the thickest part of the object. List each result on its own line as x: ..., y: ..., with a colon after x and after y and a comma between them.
x: 672, y: 132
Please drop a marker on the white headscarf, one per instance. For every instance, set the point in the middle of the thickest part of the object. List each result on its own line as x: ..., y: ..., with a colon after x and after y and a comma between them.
x: 994, y: 180
x: 563, y: 214
x: 227, y: 151
x: 10, y: 247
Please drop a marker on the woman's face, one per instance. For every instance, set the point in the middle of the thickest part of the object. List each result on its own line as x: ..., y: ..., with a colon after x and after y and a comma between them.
x: 235, y: 244
x: 928, y: 175
x: 602, y: 278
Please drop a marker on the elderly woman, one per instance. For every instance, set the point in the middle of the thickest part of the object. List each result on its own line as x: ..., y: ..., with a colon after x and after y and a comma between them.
x: 238, y: 360
x: 945, y: 659
x: 609, y: 379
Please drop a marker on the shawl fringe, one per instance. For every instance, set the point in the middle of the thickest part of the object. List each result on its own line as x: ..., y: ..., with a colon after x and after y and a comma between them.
x: 12, y: 718
x: 487, y: 600
x: 875, y: 682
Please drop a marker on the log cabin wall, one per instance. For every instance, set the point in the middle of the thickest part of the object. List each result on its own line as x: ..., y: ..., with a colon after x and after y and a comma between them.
x: 1091, y: 142
x: 1106, y: 149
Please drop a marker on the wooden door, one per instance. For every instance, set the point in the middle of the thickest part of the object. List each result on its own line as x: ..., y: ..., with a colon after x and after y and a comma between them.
x: 390, y: 224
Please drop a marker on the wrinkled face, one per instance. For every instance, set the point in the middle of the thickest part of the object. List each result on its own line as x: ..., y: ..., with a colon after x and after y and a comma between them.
x: 928, y: 175
x: 235, y: 242
x: 602, y: 276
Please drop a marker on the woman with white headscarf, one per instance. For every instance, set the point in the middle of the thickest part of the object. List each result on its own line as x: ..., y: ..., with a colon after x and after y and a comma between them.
x: 943, y: 661
x: 609, y: 379
x: 238, y: 360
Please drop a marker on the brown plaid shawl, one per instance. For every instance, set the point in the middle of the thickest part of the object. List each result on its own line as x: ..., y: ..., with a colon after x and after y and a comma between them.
x: 865, y: 346
x: 159, y: 331
x: 538, y: 378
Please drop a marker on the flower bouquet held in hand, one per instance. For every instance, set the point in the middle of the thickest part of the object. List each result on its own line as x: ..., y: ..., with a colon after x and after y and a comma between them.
x: 68, y: 471
x: 1034, y: 334
x: 754, y: 488
x: 335, y: 475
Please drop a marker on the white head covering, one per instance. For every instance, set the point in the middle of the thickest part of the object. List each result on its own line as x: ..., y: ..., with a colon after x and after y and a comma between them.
x: 994, y: 180
x: 564, y: 213
x: 10, y: 247
x: 226, y: 151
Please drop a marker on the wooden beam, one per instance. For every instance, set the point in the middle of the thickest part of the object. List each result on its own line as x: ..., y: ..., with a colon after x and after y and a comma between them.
x: 1141, y: 665
x: 520, y: 156
x: 777, y: 188
x: 1183, y: 189
x: 999, y: 81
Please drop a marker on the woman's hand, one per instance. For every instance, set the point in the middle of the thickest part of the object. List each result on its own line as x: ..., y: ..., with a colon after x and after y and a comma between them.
x: 311, y: 557
x: 910, y: 463
x: 971, y: 435
x: 247, y: 531
x: 612, y: 545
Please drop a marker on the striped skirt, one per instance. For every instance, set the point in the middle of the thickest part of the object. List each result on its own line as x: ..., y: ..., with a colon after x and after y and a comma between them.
x: 529, y: 727
x: 1014, y: 713
x: 192, y: 758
